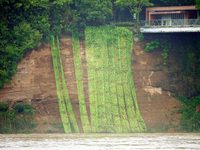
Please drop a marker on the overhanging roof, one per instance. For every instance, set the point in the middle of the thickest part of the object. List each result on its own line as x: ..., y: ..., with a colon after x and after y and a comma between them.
x: 167, y: 12
x: 169, y: 29
x: 172, y: 8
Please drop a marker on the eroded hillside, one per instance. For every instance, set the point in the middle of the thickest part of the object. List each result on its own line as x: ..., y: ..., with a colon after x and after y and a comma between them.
x: 35, y: 83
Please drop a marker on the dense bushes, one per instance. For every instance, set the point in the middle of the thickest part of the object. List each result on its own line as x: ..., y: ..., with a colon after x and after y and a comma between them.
x: 190, y: 62
x: 89, y: 12
x: 125, y: 24
x: 21, y: 39
x: 19, y: 120
x: 190, y: 120
x: 23, y: 23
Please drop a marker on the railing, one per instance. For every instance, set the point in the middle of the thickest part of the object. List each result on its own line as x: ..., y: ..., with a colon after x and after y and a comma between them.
x: 170, y: 22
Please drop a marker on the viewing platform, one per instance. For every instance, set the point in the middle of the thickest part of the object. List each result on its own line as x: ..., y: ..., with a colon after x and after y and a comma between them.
x: 169, y: 26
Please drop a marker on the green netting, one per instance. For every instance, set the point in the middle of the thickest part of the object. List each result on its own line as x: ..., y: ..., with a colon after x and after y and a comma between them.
x: 63, y: 97
x: 62, y: 107
x: 113, y: 103
x: 112, y: 97
x: 79, y: 82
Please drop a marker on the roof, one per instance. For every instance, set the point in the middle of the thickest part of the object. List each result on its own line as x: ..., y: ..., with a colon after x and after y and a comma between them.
x: 171, y: 8
x: 167, y: 10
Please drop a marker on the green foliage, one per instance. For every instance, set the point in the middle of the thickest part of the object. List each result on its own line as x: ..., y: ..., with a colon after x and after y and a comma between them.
x: 89, y: 12
x: 113, y: 103
x: 190, y: 119
x: 197, y: 4
x: 190, y: 63
x: 134, y: 6
x: 19, y: 120
x: 125, y: 24
x: 62, y: 2
x: 25, y: 108
x: 23, y: 23
x: 173, y: 3
x: 24, y: 39
x: 4, y: 106
x: 140, y: 36
x: 152, y: 45
x: 159, y: 43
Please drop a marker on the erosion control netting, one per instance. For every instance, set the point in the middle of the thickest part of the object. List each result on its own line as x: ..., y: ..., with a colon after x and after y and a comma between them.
x: 113, y: 103
x: 112, y: 97
x: 62, y: 92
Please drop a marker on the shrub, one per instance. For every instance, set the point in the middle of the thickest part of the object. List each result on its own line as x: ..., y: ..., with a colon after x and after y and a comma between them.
x: 125, y: 24
x: 19, y: 120
x: 190, y: 119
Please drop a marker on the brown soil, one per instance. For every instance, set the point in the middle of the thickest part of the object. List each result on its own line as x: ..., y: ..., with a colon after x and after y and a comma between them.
x: 35, y: 83
x: 152, y: 86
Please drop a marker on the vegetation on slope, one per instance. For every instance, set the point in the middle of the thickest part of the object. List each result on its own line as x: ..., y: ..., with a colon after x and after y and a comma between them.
x: 25, y: 22
x: 65, y: 106
x: 17, y: 120
x: 79, y: 82
x: 187, y: 49
x: 190, y: 110
x: 111, y: 90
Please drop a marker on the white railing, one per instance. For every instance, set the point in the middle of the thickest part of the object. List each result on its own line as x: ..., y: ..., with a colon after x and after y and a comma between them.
x: 171, y: 22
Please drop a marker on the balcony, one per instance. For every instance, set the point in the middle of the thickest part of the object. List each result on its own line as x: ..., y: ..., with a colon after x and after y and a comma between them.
x: 170, y: 25
x: 171, y: 22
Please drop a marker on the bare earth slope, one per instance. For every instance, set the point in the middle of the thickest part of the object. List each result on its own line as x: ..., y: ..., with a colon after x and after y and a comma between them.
x: 35, y: 83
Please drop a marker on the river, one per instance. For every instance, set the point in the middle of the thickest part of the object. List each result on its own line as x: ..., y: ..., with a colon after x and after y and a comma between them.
x: 99, y: 141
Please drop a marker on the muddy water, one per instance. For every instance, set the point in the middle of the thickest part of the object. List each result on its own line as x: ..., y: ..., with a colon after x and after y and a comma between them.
x: 99, y: 141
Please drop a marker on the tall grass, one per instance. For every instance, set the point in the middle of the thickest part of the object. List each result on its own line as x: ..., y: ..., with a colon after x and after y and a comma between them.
x: 113, y: 103
x: 79, y: 82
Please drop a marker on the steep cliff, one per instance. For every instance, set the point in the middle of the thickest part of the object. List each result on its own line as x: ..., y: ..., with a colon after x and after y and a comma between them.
x: 35, y: 83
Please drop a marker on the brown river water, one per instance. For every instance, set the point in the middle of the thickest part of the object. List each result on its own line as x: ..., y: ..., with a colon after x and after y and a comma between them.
x: 100, y: 141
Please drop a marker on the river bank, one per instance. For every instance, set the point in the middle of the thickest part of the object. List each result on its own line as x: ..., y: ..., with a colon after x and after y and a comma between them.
x: 100, y: 141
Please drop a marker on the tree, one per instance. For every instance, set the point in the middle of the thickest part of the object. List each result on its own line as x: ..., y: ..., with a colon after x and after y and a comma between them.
x: 23, y: 23
x: 198, y: 4
x: 90, y: 12
x: 134, y: 6
x: 173, y: 3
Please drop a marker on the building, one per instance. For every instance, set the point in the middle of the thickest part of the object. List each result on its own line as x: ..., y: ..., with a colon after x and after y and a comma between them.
x: 176, y: 15
x: 171, y: 19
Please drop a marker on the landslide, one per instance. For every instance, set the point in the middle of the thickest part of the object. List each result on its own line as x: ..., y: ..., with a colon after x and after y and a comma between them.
x: 35, y: 83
